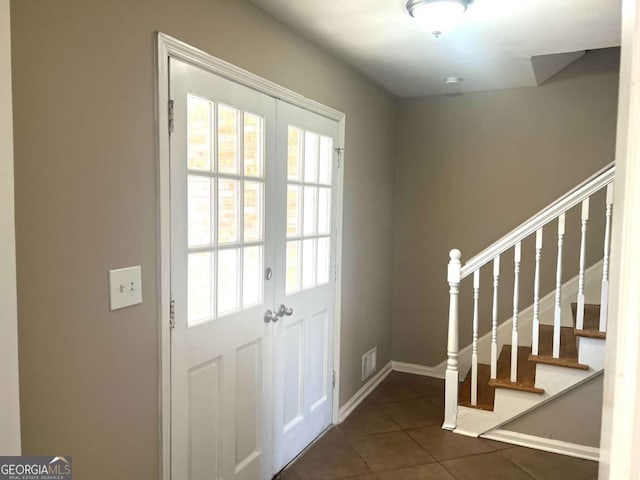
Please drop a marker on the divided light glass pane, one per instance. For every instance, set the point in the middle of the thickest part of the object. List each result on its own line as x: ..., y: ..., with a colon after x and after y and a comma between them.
x: 227, y: 139
x: 253, y: 211
x: 253, y: 145
x: 293, y: 210
x: 324, y: 211
x: 198, y: 133
x: 326, y: 157
x: 308, y: 263
x: 252, y: 276
x: 228, y: 210
x: 294, y: 143
x: 310, y: 157
x: 310, y: 209
x: 293, y: 266
x: 200, y: 288
x: 228, y: 281
x: 324, y: 256
x: 199, y: 210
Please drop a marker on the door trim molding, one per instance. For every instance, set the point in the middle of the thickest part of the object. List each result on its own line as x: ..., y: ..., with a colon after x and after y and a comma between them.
x: 170, y: 47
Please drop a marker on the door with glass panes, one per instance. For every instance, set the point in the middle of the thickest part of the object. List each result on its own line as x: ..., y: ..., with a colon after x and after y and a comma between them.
x: 306, y: 242
x: 253, y: 318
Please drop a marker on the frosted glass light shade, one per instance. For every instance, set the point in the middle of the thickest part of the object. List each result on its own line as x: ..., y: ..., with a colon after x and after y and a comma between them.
x: 437, y: 16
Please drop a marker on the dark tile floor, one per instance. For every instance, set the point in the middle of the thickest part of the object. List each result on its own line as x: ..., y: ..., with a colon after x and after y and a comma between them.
x: 395, y: 434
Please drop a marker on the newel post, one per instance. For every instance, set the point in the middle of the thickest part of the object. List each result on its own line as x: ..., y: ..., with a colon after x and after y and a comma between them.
x: 451, y: 376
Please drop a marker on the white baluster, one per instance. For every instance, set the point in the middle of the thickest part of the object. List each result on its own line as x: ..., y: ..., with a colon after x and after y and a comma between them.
x: 474, y: 348
x: 557, y: 318
x: 583, y: 253
x: 604, y: 296
x: 514, y: 332
x: 494, y: 322
x: 451, y: 376
x: 536, y: 296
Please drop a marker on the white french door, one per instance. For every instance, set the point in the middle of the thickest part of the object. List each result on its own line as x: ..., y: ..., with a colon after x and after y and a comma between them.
x: 306, y: 243
x: 252, y: 209
x: 221, y: 365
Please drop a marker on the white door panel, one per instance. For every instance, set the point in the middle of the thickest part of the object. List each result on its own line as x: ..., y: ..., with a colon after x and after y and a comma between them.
x: 305, y: 252
x: 252, y: 188
x: 221, y: 182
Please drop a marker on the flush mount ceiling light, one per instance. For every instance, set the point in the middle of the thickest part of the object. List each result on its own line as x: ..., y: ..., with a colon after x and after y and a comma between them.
x: 437, y: 16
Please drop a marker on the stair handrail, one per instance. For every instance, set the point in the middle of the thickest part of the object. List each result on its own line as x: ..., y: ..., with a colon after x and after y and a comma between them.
x: 572, y: 198
x: 456, y: 272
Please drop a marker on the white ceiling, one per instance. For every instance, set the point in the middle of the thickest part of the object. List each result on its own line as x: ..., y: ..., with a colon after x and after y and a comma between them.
x: 490, y: 49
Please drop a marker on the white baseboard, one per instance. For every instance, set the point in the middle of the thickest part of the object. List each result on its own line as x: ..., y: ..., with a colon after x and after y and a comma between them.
x: 545, y: 444
x: 364, y: 391
x: 436, y: 372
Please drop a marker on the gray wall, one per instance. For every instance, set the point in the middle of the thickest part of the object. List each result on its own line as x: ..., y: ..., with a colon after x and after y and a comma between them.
x: 574, y: 417
x: 86, y: 202
x: 9, y: 398
x: 472, y: 167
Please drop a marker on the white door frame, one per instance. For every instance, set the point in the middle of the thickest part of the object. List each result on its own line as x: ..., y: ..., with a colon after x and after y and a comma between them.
x: 9, y: 401
x: 620, y: 439
x: 169, y: 47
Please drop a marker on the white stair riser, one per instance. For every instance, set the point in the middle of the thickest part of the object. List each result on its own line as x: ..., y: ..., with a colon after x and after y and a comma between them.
x: 592, y: 352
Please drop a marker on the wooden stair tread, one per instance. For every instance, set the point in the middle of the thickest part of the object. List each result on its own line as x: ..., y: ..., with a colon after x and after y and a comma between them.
x: 568, y: 349
x: 591, y: 323
x: 526, y: 376
x: 486, y: 393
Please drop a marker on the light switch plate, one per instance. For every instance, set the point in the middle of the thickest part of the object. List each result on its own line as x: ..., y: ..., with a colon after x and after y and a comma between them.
x: 125, y: 287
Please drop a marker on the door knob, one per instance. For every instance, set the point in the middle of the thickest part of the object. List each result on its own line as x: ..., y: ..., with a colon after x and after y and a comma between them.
x: 270, y: 316
x: 282, y: 311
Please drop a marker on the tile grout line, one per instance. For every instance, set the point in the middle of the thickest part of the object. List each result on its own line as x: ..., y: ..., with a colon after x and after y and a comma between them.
x: 420, y: 446
x: 515, y: 464
x: 406, y: 430
x: 356, y: 451
x: 401, y: 429
x: 378, y: 409
x: 485, y: 453
x: 387, y: 415
x: 448, y: 471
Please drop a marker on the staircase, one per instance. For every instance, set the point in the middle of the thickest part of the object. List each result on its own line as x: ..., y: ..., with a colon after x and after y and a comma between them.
x: 527, y: 363
x: 518, y: 376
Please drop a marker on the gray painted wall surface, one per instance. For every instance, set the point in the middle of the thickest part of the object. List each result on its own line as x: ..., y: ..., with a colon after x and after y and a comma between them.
x: 86, y: 203
x: 574, y: 417
x: 9, y: 396
x: 472, y: 167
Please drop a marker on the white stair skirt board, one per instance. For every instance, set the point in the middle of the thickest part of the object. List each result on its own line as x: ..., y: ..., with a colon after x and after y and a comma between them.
x: 511, y: 404
x: 545, y: 444
x: 435, y: 372
x: 351, y: 404
x: 592, y: 287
